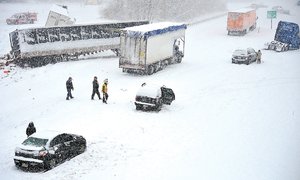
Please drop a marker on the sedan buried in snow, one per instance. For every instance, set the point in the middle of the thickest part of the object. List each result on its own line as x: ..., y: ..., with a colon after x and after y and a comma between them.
x: 242, y: 56
x: 44, y: 150
x: 153, y: 97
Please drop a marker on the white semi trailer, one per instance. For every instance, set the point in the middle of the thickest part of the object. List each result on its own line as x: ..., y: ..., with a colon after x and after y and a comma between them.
x: 146, y: 49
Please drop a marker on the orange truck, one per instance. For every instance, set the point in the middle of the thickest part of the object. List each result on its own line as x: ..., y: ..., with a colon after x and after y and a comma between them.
x: 241, y: 21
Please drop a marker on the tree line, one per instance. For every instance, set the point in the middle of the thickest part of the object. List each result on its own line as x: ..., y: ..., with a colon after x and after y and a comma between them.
x: 161, y: 10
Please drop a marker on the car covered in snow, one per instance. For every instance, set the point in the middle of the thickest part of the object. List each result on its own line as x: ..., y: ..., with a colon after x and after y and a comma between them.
x: 244, y: 56
x: 44, y: 150
x: 152, y: 97
x: 22, y: 18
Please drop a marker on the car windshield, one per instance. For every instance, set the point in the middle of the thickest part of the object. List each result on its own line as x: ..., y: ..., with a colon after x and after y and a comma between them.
x: 32, y: 141
x: 239, y: 52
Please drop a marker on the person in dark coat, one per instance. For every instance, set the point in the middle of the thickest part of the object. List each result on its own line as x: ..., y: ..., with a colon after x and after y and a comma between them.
x: 95, y: 88
x: 69, y: 85
x: 104, y: 91
x: 30, y: 129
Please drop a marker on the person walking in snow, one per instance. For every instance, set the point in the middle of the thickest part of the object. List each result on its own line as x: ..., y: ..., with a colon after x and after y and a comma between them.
x: 69, y: 85
x: 258, y: 58
x: 95, y: 88
x: 104, y: 91
x: 30, y: 129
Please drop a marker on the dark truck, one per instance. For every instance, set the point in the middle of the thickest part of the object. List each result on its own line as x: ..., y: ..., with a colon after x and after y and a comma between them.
x: 286, y: 37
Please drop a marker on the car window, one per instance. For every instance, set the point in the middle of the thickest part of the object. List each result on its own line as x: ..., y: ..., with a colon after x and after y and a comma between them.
x: 250, y: 51
x: 67, y: 137
x: 57, y: 140
x: 32, y: 141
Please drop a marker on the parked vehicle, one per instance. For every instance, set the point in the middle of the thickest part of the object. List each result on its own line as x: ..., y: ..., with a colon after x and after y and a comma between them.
x: 40, y: 46
x: 286, y: 37
x: 241, y: 21
x: 44, y: 150
x: 244, y: 56
x: 149, y: 48
x: 280, y: 9
x: 153, y: 97
x: 22, y: 18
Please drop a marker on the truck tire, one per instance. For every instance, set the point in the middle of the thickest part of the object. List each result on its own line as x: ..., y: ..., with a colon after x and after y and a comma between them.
x: 138, y: 107
x: 150, y: 70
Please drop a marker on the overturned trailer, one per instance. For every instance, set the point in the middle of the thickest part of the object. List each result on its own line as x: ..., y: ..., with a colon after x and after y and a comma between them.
x: 286, y: 37
x: 149, y: 48
x: 39, y: 46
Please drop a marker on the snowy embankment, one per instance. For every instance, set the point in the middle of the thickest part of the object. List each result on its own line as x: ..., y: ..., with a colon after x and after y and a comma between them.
x: 228, y: 121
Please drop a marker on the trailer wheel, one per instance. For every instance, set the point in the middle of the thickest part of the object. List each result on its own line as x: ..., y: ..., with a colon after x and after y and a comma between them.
x: 179, y: 59
x: 150, y: 70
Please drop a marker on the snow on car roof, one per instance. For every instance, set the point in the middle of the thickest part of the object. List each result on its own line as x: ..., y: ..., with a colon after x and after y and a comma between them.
x: 48, y: 134
x: 243, y: 10
x: 149, y: 90
x: 240, y: 52
x: 153, y: 29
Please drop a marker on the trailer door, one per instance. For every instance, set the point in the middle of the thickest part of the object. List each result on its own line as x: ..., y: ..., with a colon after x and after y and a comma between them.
x: 133, y: 50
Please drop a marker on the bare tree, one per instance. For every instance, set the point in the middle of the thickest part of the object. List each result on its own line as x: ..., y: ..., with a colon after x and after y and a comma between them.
x: 161, y: 10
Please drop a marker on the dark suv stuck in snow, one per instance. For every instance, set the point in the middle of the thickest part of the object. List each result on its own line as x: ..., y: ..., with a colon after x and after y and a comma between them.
x: 44, y: 150
x: 153, y: 97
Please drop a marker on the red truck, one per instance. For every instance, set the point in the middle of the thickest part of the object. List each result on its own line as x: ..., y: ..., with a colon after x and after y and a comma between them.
x: 22, y: 18
x: 241, y: 21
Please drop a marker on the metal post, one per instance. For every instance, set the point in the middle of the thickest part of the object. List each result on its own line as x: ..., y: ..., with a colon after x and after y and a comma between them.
x: 271, y: 23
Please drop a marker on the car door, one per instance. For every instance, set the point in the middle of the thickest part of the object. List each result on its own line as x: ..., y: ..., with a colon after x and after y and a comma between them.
x: 167, y: 95
x: 61, y: 150
x: 252, y: 54
x: 71, y: 146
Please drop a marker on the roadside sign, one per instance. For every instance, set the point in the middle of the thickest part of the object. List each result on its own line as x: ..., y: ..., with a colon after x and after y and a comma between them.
x: 271, y: 14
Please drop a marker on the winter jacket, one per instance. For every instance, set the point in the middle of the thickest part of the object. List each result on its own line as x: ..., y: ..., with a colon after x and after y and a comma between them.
x: 69, y: 84
x: 95, y: 84
x: 30, y: 129
x: 258, y: 55
x: 104, y: 88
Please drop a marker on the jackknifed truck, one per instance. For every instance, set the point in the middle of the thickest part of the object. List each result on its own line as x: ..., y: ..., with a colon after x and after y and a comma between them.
x: 148, y: 48
x: 36, y: 47
x: 286, y: 37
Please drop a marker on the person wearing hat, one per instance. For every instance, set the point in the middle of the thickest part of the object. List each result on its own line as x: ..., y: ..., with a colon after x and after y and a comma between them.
x: 69, y: 85
x: 104, y: 91
x: 95, y: 88
x: 30, y: 129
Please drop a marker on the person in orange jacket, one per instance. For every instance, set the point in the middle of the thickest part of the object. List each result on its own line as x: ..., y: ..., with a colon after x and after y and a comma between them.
x: 104, y: 91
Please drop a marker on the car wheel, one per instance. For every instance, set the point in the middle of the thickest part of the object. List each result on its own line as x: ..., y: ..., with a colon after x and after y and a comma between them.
x: 50, y: 164
x: 82, y: 149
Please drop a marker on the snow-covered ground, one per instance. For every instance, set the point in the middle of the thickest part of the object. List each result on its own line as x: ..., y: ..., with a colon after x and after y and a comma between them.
x: 228, y: 122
